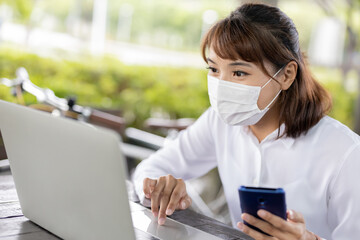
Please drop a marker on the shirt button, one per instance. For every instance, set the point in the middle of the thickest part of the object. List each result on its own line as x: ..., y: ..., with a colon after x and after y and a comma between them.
x: 256, y: 181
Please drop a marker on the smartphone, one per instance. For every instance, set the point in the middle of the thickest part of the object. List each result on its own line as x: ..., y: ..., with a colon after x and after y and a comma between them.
x: 253, y: 199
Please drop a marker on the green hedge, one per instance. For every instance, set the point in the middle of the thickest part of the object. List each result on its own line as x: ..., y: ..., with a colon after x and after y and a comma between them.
x: 343, y: 99
x: 138, y: 91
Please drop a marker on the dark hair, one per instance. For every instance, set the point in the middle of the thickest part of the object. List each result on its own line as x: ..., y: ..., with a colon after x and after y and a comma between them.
x: 255, y: 32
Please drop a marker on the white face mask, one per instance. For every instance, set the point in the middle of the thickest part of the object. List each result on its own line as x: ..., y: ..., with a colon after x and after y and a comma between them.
x: 235, y: 103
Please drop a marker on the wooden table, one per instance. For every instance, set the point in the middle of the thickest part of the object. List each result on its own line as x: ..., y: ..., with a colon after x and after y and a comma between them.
x: 13, y: 224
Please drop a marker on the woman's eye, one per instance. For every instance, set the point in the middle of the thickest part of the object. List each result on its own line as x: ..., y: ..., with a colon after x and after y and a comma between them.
x: 214, y: 70
x: 239, y: 73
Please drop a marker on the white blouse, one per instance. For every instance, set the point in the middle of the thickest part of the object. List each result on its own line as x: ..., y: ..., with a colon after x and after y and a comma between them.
x: 319, y: 171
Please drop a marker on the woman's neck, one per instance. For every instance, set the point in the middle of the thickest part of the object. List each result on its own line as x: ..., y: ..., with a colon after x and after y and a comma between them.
x: 267, y: 124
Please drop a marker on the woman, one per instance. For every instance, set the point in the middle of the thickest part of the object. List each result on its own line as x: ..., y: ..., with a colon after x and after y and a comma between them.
x: 267, y: 126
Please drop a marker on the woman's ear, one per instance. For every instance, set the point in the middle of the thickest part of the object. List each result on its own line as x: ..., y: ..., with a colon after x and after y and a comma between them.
x: 289, y: 75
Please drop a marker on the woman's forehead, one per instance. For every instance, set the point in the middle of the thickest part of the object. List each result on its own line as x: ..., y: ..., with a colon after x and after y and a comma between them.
x: 214, y: 58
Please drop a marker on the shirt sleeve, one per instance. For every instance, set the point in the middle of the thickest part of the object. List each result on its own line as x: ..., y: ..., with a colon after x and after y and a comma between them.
x: 190, y: 155
x: 344, y: 202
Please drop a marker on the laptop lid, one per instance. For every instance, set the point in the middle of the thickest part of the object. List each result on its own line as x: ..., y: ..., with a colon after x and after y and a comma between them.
x: 69, y: 176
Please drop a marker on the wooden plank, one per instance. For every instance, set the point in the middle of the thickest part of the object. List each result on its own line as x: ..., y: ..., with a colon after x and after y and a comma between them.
x: 32, y: 236
x: 10, y: 209
x: 22, y: 228
x: 7, y: 187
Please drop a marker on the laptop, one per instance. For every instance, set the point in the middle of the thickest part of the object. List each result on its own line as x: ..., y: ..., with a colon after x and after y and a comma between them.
x: 70, y: 179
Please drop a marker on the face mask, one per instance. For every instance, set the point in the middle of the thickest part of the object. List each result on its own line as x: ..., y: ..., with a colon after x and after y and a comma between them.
x: 235, y: 103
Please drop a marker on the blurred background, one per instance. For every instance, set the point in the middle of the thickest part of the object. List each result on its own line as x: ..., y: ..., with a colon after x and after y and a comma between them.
x: 141, y: 58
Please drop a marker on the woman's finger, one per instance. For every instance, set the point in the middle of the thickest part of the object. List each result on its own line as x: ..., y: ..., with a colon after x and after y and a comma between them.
x: 253, y: 233
x: 171, y: 183
x: 185, y: 202
x: 148, y: 186
x: 276, y: 221
x: 156, y: 195
x: 263, y: 226
x: 178, y: 193
x: 295, y: 216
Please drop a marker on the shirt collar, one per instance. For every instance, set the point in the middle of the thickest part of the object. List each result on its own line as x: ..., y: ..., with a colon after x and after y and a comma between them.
x: 287, y: 141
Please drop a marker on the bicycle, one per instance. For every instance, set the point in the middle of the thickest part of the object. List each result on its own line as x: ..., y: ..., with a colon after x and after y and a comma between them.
x: 49, y: 102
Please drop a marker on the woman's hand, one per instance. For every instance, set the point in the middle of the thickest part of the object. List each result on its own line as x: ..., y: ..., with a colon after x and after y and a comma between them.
x: 168, y: 193
x: 293, y: 228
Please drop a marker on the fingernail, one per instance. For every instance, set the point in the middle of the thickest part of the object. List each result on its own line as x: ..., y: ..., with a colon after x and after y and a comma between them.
x: 147, y: 195
x: 261, y: 213
x: 291, y: 214
x: 161, y: 221
x: 168, y: 212
x: 245, y: 217
x: 155, y: 214
x: 240, y: 226
x: 183, y: 205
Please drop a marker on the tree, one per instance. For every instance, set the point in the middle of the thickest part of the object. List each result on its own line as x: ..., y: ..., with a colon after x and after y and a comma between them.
x: 24, y: 10
x: 351, y: 50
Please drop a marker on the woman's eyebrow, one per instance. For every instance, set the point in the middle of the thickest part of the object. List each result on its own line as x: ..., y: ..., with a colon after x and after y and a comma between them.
x: 209, y: 60
x: 240, y: 64
x: 232, y: 64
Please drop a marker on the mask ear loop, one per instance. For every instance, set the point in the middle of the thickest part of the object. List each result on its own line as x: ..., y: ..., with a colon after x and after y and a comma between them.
x: 273, y: 100
x: 272, y: 78
x: 267, y: 84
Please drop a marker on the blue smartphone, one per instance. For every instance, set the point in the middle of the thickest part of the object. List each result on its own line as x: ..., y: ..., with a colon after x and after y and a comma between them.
x: 253, y: 199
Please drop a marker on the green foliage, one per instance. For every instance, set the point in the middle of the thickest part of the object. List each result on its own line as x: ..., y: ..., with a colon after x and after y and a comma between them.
x: 168, y: 24
x: 106, y: 83
x: 23, y: 8
x: 343, y: 100
x: 139, y: 91
x: 343, y: 103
